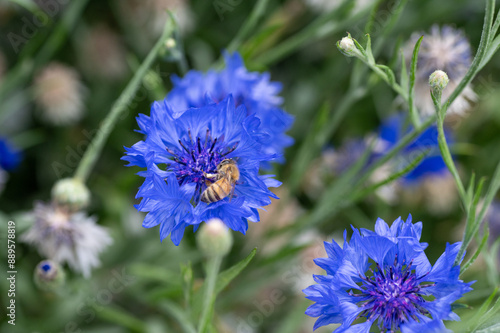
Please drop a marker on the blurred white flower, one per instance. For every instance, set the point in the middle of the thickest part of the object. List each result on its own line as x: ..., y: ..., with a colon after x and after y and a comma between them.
x: 439, y: 193
x: 103, y: 54
x: 150, y: 15
x: 446, y: 49
x: 65, y: 237
x: 59, y: 94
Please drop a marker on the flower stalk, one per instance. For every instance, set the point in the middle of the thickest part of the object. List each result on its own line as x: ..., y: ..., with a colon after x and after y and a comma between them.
x: 94, y: 150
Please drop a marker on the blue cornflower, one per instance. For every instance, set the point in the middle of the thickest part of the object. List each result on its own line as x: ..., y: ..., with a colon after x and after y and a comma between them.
x: 181, y: 153
x: 10, y: 157
x: 384, y: 278
x: 254, y: 90
x: 394, y: 129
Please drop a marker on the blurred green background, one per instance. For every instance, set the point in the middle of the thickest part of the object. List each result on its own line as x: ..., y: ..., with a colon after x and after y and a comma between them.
x: 104, y: 43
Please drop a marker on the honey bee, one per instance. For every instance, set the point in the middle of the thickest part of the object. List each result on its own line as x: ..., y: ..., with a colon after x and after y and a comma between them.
x: 225, y: 180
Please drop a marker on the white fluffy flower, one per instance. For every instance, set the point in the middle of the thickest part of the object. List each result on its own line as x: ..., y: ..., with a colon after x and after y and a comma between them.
x: 59, y: 93
x: 103, y: 54
x: 150, y: 15
x: 446, y: 49
x: 64, y: 237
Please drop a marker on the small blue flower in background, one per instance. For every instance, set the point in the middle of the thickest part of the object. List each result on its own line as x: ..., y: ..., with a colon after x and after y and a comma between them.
x: 10, y: 157
x: 182, y: 152
x: 254, y: 90
x: 384, y: 278
x: 394, y: 129
x: 390, y: 132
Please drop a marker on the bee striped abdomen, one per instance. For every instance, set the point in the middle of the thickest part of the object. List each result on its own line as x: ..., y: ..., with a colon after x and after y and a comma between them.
x: 213, y: 193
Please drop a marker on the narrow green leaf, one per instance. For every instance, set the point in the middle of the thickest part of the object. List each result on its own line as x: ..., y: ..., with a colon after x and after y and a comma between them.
x: 482, y: 314
x: 411, y: 93
x: 492, y: 191
x: 476, y: 254
x: 369, y: 53
x: 475, y: 322
x: 470, y: 189
x: 404, y: 73
x: 229, y: 274
x: 359, y: 47
x: 412, y: 165
x: 494, y: 29
x: 405, y: 141
x: 492, y: 49
x: 472, y: 224
x: 481, y: 51
x: 223, y: 279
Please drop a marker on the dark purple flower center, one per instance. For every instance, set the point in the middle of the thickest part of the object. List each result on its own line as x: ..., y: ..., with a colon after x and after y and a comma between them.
x: 198, y: 157
x: 392, y: 295
x: 46, y: 267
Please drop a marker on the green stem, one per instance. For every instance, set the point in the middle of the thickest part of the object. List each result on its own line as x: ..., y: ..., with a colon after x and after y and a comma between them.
x: 94, y: 150
x: 396, y: 87
x: 445, y: 152
x: 213, y: 266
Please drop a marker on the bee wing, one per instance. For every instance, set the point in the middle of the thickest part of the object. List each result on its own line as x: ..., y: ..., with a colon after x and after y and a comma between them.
x: 233, y: 186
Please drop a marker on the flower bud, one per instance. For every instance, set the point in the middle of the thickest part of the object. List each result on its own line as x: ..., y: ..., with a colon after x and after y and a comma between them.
x: 72, y: 193
x: 438, y: 80
x: 347, y: 46
x: 170, y: 44
x: 48, y: 276
x: 214, y: 238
